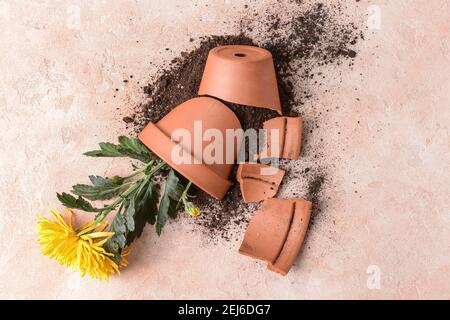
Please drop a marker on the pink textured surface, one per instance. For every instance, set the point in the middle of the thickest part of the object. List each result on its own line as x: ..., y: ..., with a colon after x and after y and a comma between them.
x: 54, y: 85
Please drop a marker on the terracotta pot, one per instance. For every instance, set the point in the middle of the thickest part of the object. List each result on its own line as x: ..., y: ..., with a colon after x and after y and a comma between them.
x: 287, y: 143
x: 213, y: 114
x: 267, y: 232
x: 258, y: 181
x: 241, y: 74
x: 295, y: 238
x: 278, y: 220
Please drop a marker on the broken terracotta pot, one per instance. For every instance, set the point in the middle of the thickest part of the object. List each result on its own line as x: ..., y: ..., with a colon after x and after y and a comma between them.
x: 241, y: 74
x: 267, y: 232
x: 283, y: 138
x: 179, y: 139
x: 258, y: 181
x: 278, y: 220
x: 295, y: 238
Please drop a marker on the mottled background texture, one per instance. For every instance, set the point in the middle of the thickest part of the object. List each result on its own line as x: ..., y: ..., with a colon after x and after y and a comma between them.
x: 385, y: 229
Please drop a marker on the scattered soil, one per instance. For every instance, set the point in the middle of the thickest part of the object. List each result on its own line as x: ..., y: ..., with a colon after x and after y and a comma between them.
x: 180, y: 82
x: 315, y: 185
x: 300, y: 43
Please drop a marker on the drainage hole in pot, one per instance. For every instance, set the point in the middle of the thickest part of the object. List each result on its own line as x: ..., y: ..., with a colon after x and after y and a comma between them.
x: 240, y: 55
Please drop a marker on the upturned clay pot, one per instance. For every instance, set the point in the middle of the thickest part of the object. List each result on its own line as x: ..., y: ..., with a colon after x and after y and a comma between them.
x: 295, y: 238
x: 241, y: 74
x: 267, y: 232
x: 195, y: 117
x: 258, y: 181
x: 283, y: 138
x: 278, y: 220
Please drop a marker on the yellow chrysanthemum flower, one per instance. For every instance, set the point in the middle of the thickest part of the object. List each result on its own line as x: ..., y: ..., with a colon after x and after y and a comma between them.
x: 81, y: 249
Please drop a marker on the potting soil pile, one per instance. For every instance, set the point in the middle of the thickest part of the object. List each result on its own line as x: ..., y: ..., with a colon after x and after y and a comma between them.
x: 304, y: 43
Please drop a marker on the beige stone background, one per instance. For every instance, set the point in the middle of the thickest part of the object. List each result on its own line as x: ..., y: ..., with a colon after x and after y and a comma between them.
x: 56, y: 101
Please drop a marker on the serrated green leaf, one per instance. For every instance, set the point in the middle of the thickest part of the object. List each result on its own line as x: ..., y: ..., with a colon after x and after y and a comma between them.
x: 106, y: 150
x: 127, y: 147
x: 149, y: 204
x: 111, y: 149
x: 100, y: 181
x: 101, y: 190
x: 95, y: 154
x: 169, y: 202
x: 118, y: 241
x: 135, y: 149
x: 129, y: 214
x: 133, y: 145
x: 146, y: 210
x: 119, y: 224
x: 79, y: 203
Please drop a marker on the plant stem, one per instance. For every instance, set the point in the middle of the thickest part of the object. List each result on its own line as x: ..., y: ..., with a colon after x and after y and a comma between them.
x: 184, y: 195
x: 135, y: 185
x: 139, y: 171
x: 186, y: 190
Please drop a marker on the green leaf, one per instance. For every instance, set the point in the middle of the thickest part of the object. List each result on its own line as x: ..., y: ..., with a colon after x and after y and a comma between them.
x: 102, y: 189
x: 139, y: 208
x: 149, y: 203
x: 118, y: 242
x: 106, y: 150
x: 169, y: 202
x: 146, y: 209
x: 135, y: 149
x: 130, y: 211
x: 79, y: 203
x: 127, y: 147
x: 133, y: 145
x: 102, y: 182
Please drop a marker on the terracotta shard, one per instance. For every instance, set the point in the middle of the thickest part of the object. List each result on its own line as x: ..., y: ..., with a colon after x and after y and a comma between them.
x: 267, y: 232
x: 278, y: 221
x: 258, y: 181
x: 295, y: 238
x: 241, y: 74
x: 283, y: 138
x: 173, y: 139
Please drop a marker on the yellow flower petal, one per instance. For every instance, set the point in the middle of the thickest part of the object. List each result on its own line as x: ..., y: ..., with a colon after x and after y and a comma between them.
x: 81, y: 250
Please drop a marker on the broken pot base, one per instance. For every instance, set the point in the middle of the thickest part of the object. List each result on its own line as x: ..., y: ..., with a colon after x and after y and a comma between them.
x: 278, y: 220
x: 295, y: 238
x: 267, y: 231
x: 241, y: 74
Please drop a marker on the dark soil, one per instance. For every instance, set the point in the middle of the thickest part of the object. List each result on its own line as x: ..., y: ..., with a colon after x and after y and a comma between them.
x: 311, y: 39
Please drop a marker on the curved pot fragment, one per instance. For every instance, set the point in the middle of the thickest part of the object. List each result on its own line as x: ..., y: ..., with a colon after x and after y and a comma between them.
x: 258, y: 181
x: 295, y: 238
x: 283, y: 138
x: 267, y: 232
x: 278, y: 220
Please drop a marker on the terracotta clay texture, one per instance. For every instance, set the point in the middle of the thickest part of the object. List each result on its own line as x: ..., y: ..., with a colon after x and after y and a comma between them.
x: 187, y: 154
x: 241, y: 74
x: 267, y: 232
x: 258, y: 181
x: 283, y: 138
x: 295, y: 238
x: 278, y: 220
